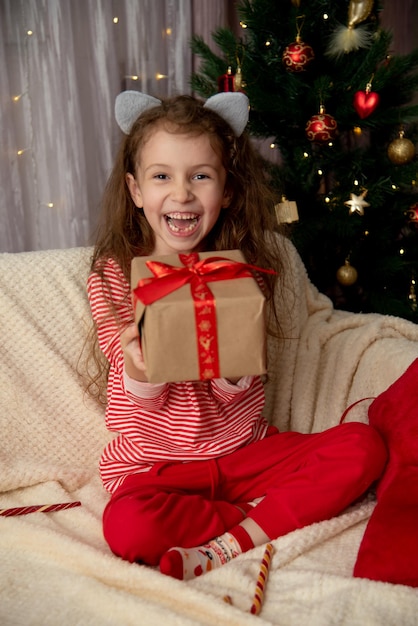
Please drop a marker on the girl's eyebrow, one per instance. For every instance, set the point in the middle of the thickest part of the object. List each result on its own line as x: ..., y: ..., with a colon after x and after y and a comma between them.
x: 166, y: 166
x: 155, y: 165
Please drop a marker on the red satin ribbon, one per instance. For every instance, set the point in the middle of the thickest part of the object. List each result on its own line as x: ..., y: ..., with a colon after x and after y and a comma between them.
x: 197, y: 273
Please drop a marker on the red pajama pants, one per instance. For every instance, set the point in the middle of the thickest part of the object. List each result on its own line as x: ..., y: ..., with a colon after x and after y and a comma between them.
x: 305, y: 478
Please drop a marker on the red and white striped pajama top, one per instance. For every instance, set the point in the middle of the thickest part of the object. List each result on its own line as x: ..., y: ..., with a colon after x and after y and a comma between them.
x: 164, y: 422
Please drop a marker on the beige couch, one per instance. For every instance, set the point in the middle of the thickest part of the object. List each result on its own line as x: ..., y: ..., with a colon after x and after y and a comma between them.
x: 57, y: 569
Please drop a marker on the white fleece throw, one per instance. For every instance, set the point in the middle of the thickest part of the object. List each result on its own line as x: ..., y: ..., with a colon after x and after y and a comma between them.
x: 56, y: 568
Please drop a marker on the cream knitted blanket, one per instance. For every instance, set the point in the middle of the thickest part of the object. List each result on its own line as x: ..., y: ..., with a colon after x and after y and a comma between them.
x: 57, y: 569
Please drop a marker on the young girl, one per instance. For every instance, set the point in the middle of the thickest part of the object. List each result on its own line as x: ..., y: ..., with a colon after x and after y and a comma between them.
x: 196, y: 474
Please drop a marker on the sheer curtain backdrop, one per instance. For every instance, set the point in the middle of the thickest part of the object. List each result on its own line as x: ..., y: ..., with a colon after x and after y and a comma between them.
x: 62, y: 63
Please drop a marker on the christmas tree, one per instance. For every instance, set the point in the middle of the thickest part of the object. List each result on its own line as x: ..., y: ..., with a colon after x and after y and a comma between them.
x: 338, y: 110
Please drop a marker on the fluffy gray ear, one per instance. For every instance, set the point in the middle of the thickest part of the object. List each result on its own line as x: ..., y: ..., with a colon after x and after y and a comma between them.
x: 233, y: 107
x: 129, y: 105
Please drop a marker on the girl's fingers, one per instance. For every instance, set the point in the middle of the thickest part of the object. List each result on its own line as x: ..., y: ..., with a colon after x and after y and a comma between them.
x: 129, y: 334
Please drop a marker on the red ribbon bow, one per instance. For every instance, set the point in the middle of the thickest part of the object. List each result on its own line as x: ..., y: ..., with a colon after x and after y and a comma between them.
x: 197, y: 273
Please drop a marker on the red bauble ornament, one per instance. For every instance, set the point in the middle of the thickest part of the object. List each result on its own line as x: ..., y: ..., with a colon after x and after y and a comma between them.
x: 226, y: 82
x: 365, y: 102
x: 412, y: 214
x: 322, y: 127
x: 297, y: 56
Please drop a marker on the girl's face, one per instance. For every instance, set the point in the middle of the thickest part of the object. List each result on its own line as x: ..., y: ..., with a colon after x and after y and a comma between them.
x: 180, y: 184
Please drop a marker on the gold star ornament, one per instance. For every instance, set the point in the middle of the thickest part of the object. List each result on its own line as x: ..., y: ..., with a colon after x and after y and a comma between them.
x: 357, y: 203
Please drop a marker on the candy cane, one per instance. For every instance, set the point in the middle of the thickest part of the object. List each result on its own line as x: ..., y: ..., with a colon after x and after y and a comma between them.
x: 41, y: 508
x: 262, y: 580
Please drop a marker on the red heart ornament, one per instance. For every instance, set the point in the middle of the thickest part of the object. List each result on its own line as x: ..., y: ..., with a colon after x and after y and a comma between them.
x: 365, y: 102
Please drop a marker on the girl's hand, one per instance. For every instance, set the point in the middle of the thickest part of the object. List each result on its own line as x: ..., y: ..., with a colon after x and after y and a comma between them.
x: 131, y: 346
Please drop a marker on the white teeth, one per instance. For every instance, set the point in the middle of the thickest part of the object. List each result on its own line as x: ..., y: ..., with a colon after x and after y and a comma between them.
x: 185, y: 229
x: 182, y: 216
x: 173, y: 220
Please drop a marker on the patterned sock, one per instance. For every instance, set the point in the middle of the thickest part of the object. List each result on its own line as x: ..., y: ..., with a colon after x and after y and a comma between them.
x: 187, y: 563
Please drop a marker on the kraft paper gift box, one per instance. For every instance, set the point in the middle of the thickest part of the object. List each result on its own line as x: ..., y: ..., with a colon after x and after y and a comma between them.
x: 192, y: 333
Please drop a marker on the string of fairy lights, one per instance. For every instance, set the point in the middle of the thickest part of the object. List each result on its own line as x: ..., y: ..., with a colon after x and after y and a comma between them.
x: 25, y: 102
x: 323, y: 129
x: 355, y: 204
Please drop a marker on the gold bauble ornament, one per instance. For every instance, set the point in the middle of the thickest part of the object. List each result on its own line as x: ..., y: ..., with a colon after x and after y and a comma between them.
x: 347, y: 274
x: 401, y: 150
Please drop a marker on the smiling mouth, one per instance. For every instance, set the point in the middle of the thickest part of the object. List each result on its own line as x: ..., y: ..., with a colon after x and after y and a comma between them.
x: 182, y: 222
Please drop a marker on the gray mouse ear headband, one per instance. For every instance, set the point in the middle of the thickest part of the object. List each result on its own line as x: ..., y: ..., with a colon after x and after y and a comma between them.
x: 232, y: 106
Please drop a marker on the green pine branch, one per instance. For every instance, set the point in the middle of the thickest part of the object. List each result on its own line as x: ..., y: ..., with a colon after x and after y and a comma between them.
x: 321, y: 177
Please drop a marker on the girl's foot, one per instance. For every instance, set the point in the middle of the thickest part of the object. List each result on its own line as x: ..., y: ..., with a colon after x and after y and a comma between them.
x: 187, y: 563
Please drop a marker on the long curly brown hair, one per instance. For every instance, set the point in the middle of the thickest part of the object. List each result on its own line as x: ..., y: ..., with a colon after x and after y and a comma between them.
x: 124, y: 232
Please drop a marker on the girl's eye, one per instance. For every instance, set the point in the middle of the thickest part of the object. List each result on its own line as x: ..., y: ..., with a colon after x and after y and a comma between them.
x: 161, y: 176
x: 200, y: 176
